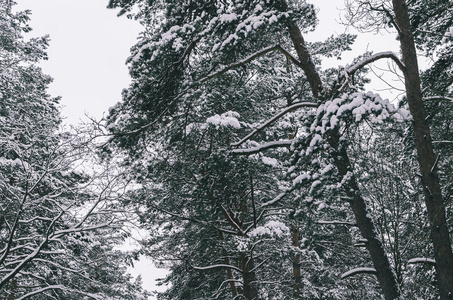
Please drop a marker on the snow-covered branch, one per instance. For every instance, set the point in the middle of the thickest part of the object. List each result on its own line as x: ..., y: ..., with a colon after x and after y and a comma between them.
x: 260, y: 148
x: 358, y: 271
x: 449, y: 99
x: 277, y: 198
x: 335, y: 222
x: 275, y: 118
x: 422, y: 260
x: 218, y: 266
x: 367, y: 60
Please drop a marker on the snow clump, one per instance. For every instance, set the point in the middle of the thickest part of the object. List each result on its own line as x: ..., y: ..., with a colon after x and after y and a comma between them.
x: 271, y: 228
x: 226, y: 119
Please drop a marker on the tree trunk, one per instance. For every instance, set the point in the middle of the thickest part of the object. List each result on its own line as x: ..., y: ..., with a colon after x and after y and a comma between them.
x: 229, y: 272
x: 302, y: 52
x: 250, y: 289
x: 296, y: 263
x: 385, y: 274
x: 425, y: 155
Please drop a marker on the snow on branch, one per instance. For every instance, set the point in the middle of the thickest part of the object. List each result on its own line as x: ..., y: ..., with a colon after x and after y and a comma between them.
x: 274, y: 118
x: 278, y: 197
x: 58, y: 287
x: 367, y: 60
x: 257, y: 149
x: 450, y: 99
x: 41, y: 290
x: 335, y: 222
x: 218, y: 266
x: 358, y: 271
x: 422, y: 260
x: 250, y: 58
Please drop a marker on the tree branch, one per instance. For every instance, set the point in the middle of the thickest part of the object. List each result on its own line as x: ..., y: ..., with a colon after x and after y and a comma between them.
x: 249, y: 59
x: 388, y: 54
x: 359, y: 271
x: 260, y: 148
x: 217, y: 266
x: 422, y: 260
x: 275, y: 118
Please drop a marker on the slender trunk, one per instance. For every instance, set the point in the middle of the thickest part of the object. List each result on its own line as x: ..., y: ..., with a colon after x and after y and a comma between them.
x: 226, y: 261
x: 425, y: 155
x: 385, y: 274
x: 12, y: 289
x: 296, y: 263
x: 250, y: 288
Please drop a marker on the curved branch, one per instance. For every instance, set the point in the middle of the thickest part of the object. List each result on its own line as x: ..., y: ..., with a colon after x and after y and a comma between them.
x: 439, y: 98
x: 359, y: 271
x: 388, y: 54
x: 422, y: 260
x: 217, y: 266
x: 275, y: 118
x: 249, y: 59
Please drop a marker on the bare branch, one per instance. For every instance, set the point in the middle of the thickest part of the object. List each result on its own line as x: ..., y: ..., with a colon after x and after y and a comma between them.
x: 249, y: 59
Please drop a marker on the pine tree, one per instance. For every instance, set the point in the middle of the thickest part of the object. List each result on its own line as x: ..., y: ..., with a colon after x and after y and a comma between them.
x: 57, y: 232
x: 218, y: 88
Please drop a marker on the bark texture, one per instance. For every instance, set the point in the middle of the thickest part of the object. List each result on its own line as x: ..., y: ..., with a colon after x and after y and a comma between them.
x: 425, y: 154
x: 296, y: 263
x: 306, y: 61
x: 250, y: 291
x: 384, y: 271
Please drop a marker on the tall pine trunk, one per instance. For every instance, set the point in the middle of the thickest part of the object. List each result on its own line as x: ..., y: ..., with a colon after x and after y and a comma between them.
x: 425, y: 154
x: 384, y: 271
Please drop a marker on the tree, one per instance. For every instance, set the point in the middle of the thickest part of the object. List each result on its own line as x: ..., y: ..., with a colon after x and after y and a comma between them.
x: 57, y: 227
x: 397, y: 15
x: 217, y: 63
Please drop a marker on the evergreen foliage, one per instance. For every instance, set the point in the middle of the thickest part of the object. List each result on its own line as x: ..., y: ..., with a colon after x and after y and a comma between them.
x: 57, y: 232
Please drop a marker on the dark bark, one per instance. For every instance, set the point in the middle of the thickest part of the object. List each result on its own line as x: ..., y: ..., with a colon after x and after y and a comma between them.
x: 306, y: 62
x: 296, y: 263
x: 305, y: 59
x: 229, y: 272
x: 425, y: 154
x: 384, y: 271
x: 385, y: 274
x: 250, y: 289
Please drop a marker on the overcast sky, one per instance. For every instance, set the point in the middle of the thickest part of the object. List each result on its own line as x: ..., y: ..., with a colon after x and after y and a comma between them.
x: 89, y: 46
x: 87, y: 53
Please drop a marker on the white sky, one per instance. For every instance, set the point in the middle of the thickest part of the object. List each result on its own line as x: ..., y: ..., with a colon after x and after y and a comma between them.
x: 89, y: 46
x: 88, y: 49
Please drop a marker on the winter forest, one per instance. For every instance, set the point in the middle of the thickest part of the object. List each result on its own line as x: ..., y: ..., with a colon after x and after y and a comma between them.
x: 254, y: 171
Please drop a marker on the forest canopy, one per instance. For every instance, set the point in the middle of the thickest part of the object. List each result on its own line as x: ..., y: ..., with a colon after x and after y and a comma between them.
x: 255, y: 171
